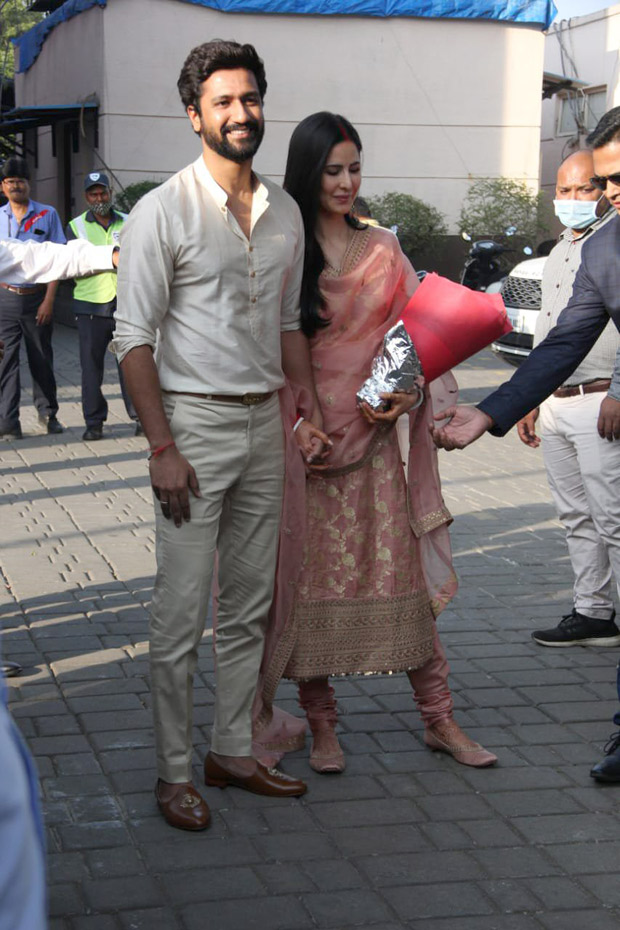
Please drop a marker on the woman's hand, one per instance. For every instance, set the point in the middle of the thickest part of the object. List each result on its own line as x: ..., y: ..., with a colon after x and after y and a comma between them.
x: 399, y: 403
x: 314, y: 444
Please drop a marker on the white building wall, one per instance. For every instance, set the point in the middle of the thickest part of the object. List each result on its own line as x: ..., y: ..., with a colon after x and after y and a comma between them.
x: 437, y: 102
x: 586, y: 48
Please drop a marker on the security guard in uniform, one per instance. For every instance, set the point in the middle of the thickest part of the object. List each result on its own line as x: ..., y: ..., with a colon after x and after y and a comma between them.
x: 94, y: 303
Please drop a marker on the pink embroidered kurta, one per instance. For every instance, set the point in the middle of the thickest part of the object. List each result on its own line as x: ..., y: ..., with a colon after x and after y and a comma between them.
x: 365, y: 563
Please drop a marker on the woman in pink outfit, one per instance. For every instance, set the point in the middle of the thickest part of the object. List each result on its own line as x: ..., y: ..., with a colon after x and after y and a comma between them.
x: 365, y: 563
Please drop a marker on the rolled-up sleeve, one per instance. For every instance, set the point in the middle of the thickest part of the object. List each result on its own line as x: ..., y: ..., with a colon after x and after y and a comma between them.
x: 290, y: 319
x: 145, y: 273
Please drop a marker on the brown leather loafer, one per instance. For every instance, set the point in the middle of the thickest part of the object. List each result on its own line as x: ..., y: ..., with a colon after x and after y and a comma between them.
x: 265, y: 781
x: 186, y: 809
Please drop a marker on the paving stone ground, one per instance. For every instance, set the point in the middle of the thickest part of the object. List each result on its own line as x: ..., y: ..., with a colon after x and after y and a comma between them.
x: 405, y: 838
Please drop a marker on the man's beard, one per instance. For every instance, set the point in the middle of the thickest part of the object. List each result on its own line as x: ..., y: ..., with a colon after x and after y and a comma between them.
x: 101, y: 209
x: 242, y: 151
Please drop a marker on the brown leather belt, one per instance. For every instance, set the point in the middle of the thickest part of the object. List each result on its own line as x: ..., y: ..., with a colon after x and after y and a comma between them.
x: 592, y: 387
x: 23, y: 291
x: 248, y: 400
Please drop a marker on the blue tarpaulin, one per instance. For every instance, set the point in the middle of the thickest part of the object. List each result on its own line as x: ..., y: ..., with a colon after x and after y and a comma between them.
x: 535, y: 12
x: 31, y: 42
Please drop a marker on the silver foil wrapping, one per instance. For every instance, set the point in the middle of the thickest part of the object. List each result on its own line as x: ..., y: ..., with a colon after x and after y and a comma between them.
x: 396, y: 369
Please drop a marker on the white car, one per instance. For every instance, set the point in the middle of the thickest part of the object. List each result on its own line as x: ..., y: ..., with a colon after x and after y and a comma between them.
x: 521, y: 292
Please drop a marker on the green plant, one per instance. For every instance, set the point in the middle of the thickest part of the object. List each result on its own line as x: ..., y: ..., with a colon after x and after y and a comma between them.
x: 16, y: 17
x: 419, y: 224
x: 131, y: 194
x: 494, y: 205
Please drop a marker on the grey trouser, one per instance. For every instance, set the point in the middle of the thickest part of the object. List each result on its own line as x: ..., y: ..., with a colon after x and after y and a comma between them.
x: 238, y: 455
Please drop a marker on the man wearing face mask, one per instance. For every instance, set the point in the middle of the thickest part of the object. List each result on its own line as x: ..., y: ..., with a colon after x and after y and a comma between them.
x: 581, y: 470
x: 94, y: 303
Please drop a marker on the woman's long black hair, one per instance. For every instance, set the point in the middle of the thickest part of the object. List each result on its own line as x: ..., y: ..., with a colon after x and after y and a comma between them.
x: 308, y: 151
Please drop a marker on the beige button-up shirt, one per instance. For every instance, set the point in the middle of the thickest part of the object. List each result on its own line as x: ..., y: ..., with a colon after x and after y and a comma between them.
x: 214, y: 301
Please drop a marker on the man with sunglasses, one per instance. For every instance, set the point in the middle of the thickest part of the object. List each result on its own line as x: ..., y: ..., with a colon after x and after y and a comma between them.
x: 595, y: 299
x: 582, y: 470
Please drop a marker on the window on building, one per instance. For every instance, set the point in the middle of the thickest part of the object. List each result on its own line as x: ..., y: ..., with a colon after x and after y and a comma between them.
x: 581, y: 111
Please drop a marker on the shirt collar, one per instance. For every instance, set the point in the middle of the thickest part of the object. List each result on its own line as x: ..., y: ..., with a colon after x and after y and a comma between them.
x: 260, y: 199
x: 32, y: 206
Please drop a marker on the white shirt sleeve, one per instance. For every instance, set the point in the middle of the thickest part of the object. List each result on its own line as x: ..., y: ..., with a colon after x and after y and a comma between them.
x: 49, y: 261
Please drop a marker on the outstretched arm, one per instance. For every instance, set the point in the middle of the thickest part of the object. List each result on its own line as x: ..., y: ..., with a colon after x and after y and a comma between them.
x: 466, y: 424
x: 22, y: 262
x: 550, y: 363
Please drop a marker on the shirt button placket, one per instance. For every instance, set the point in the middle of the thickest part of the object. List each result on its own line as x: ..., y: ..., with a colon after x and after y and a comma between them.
x: 252, y: 275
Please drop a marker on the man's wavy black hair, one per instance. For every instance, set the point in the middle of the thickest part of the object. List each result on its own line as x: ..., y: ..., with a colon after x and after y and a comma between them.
x: 217, y: 55
x: 606, y: 130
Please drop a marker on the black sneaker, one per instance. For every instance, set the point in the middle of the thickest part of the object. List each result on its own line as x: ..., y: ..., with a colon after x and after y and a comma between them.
x: 609, y: 768
x: 10, y: 669
x: 576, y: 630
x: 13, y: 432
x: 93, y: 433
x: 51, y: 424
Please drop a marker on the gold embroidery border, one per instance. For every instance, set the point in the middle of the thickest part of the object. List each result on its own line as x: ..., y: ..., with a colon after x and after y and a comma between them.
x: 431, y: 521
x: 418, y: 605
x: 353, y: 256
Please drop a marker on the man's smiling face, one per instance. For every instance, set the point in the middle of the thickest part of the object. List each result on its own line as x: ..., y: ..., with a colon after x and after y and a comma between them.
x: 230, y: 120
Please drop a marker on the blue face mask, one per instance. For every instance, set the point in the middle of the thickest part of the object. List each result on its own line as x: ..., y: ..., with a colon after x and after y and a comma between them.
x: 576, y: 214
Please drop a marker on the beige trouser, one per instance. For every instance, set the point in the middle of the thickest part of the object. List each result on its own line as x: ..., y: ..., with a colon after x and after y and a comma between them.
x: 583, y: 471
x: 238, y: 455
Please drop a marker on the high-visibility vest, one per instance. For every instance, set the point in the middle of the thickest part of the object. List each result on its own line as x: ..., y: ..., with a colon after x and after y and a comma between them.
x: 99, y: 288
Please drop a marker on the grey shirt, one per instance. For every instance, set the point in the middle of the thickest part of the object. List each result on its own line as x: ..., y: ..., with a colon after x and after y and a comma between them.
x: 214, y: 301
x: 557, y: 287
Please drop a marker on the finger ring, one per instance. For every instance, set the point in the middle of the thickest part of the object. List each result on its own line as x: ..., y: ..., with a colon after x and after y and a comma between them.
x: 165, y: 503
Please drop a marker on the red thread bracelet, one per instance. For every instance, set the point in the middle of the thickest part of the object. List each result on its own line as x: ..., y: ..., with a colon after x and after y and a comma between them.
x: 155, y: 452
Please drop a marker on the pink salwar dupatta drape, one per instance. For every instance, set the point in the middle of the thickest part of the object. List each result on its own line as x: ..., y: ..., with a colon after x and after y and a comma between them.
x: 362, y: 305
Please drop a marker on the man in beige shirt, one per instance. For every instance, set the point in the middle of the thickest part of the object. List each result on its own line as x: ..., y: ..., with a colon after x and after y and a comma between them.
x: 211, y: 264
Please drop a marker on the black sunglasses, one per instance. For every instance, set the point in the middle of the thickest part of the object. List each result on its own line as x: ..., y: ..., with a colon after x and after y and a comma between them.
x: 602, y: 181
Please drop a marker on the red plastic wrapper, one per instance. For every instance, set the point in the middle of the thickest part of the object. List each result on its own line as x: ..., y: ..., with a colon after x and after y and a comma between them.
x: 449, y: 323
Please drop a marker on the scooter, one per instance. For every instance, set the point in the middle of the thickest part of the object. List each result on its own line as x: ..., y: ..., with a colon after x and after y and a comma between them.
x: 482, y: 268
